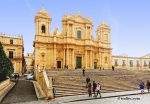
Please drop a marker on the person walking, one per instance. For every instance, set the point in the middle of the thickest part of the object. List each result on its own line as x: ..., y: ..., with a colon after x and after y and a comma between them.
x: 90, y: 89
x: 142, y: 85
x: 98, y: 88
x: 148, y: 85
x: 87, y: 81
x: 94, y: 88
x: 83, y: 72
x: 15, y: 76
x: 54, y: 92
x: 113, y: 68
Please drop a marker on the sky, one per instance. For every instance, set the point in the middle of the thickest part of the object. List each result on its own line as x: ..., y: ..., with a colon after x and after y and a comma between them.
x: 129, y: 20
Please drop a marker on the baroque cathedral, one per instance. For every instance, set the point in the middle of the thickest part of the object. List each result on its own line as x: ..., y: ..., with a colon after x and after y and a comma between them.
x: 73, y: 47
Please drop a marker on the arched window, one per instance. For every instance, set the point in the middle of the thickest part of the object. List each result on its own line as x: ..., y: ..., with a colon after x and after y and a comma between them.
x: 43, y: 29
x: 79, y: 34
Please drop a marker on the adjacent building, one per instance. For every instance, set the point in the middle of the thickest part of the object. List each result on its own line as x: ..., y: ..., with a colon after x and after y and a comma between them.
x: 73, y: 47
x: 29, y: 62
x: 14, y: 49
x: 126, y: 62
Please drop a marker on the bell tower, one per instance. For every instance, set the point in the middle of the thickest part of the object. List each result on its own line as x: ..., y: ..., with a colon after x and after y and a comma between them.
x: 103, y: 35
x: 42, y: 22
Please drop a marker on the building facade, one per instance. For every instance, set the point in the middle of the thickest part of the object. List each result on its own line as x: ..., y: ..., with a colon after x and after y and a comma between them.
x: 14, y: 49
x: 29, y: 62
x: 125, y: 62
x: 74, y: 47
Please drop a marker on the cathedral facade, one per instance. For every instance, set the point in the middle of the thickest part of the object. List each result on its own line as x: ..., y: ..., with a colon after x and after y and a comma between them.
x: 74, y: 47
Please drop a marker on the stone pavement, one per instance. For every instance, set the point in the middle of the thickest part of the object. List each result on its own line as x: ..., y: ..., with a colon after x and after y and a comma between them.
x: 127, y: 97
x: 132, y: 99
x: 23, y: 91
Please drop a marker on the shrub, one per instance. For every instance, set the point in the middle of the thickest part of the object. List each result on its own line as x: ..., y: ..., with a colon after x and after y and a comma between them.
x: 6, y: 66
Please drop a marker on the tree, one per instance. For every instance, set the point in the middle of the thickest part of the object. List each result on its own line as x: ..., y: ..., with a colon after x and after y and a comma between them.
x: 6, y: 66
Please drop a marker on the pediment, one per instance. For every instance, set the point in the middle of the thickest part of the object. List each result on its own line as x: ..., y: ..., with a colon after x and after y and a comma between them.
x: 77, y: 18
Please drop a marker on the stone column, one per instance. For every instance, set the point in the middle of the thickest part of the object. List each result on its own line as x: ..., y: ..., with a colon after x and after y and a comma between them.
x: 48, y: 28
x: 91, y: 59
x: 54, y: 56
x: 85, y: 59
x: 110, y: 60
x: 64, y: 60
x: 73, y: 31
x: 73, y: 59
x: 85, y: 32
x: 67, y: 57
x: 100, y: 60
x: 67, y: 30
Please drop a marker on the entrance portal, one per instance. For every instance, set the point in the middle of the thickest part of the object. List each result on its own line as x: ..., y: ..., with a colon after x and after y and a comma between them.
x: 58, y: 64
x: 78, y: 62
x: 95, y: 65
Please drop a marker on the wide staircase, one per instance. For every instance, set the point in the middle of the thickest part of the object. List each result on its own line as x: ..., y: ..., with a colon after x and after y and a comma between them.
x: 23, y: 91
x: 72, y: 83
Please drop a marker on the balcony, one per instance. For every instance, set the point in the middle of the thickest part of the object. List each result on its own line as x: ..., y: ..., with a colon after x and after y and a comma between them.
x: 15, y: 58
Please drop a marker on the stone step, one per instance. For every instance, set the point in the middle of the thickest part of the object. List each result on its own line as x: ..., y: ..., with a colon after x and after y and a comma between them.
x: 81, y: 87
x: 70, y: 90
x: 63, y: 95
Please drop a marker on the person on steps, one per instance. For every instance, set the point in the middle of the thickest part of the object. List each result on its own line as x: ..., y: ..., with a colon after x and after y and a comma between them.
x: 94, y: 88
x: 142, y: 85
x: 90, y: 89
x: 98, y: 88
x: 148, y: 85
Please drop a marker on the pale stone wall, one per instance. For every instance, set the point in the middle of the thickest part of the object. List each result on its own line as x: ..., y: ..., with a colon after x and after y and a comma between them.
x: 124, y: 62
x: 16, y: 47
x: 63, y: 48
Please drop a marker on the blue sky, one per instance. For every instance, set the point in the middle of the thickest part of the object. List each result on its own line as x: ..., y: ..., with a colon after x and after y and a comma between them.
x: 129, y: 20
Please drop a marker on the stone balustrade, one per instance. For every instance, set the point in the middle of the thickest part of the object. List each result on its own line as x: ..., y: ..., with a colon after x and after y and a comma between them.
x: 45, y: 82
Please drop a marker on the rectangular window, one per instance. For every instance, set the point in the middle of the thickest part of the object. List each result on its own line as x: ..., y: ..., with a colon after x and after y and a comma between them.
x: 11, y: 41
x: 145, y: 64
x: 123, y: 63
x: 11, y: 56
x: 131, y: 63
x: 79, y: 34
